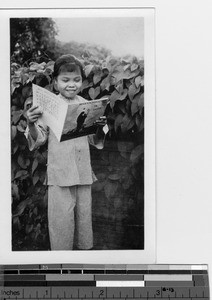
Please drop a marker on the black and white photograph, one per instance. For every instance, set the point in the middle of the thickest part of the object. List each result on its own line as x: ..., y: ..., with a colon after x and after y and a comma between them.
x: 105, y: 130
x: 80, y: 86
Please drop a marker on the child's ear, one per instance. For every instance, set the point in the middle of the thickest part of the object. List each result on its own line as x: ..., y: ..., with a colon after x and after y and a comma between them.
x: 55, y: 84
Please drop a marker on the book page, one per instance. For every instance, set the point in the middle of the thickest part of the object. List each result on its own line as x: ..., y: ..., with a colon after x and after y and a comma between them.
x: 54, y: 109
x: 81, y: 118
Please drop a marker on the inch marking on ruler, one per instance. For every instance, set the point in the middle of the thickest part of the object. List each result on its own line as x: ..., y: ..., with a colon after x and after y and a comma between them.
x: 127, y: 282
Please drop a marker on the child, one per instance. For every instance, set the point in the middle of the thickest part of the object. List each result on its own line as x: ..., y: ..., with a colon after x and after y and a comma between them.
x: 69, y: 173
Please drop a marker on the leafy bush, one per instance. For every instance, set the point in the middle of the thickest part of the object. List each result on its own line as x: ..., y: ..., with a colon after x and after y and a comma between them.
x: 119, y: 167
x: 32, y: 39
x: 80, y: 50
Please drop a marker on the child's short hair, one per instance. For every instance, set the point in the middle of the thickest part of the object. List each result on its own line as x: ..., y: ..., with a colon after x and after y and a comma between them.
x: 67, y: 63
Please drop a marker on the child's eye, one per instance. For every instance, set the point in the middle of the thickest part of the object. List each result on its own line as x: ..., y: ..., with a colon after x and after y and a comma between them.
x: 77, y: 79
x: 65, y: 80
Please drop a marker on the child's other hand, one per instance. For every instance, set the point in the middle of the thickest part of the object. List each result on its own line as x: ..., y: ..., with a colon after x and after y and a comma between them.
x: 33, y: 113
x: 101, y: 122
x: 102, y: 127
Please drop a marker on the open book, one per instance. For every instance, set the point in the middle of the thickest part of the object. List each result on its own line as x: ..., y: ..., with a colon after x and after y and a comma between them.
x: 68, y: 120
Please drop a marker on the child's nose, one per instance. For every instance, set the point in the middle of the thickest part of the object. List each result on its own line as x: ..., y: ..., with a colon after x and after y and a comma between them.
x: 71, y: 83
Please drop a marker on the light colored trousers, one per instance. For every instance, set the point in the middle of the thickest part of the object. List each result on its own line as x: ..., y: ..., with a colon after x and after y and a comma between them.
x: 70, y: 217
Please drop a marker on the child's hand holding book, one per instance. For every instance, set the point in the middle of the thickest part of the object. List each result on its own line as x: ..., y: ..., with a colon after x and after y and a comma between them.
x: 101, y: 122
x: 102, y: 127
x: 33, y: 113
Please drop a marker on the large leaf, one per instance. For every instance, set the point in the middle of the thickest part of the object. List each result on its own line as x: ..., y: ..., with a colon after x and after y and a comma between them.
x: 22, y: 174
x: 13, y: 132
x: 127, y: 123
x: 40, y: 176
x: 133, y: 67
x: 41, y: 158
x: 23, y: 162
x: 15, y: 148
x: 141, y: 103
x: 141, y: 127
x: 126, y: 61
x: 24, y: 78
x: 98, y: 186
x: 97, y: 77
x: 16, y: 222
x: 127, y: 181
x: 110, y: 189
x: 139, y: 122
x: 31, y: 77
x: 117, y: 96
x: 132, y: 91
x: 139, y: 81
x: 37, y: 67
x: 36, y: 178
x: 125, y: 148
x: 28, y: 228
x: 137, y: 153
x: 15, y: 65
x: 105, y: 84
x: 34, y: 165
x: 112, y: 60
x: 137, y: 103
x: 88, y: 70
x: 135, y: 106
x: 141, y: 65
x: 86, y: 84
x: 21, y: 207
x: 106, y: 68
x: 128, y: 107
x: 114, y: 177
x: 126, y: 67
x: 15, y: 191
x: 121, y: 74
x: 26, y: 91
x: 50, y: 66
x: 34, y: 66
x: 16, y: 116
x: 15, y: 83
x: 122, y: 107
x: 94, y: 92
x: 118, y: 122
x: 120, y: 87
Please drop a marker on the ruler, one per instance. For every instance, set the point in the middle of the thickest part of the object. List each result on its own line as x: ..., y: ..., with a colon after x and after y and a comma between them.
x: 95, y: 281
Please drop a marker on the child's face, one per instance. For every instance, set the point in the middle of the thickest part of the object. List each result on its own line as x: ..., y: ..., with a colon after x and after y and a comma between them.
x: 69, y: 84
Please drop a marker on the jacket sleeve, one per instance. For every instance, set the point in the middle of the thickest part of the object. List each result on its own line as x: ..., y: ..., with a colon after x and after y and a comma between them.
x: 96, y: 141
x: 42, y: 137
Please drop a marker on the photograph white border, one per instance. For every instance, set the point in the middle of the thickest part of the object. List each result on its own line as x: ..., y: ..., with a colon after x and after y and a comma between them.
x: 148, y: 255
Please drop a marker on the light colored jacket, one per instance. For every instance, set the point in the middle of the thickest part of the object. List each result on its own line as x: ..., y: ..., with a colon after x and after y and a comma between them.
x: 69, y: 161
